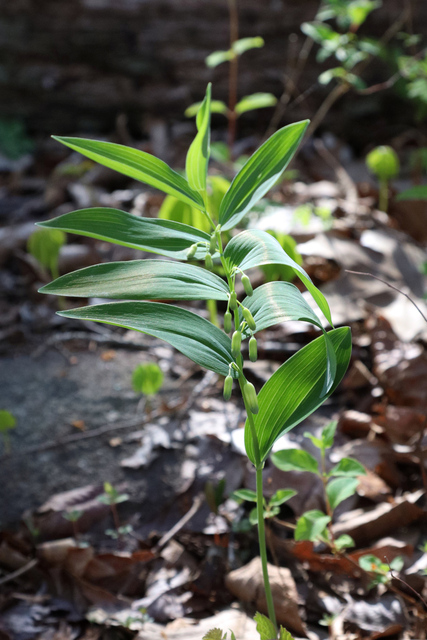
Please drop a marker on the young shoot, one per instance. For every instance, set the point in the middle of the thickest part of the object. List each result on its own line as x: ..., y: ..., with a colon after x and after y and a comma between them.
x: 383, y: 162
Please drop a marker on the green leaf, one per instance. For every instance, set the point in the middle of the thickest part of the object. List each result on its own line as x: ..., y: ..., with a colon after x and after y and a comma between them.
x: 244, y: 494
x: 294, y: 391
x: 141, y: 280
x: 217, y: 106
x: 295, y: 460
x: 340, y: 489
x: 138, y: 165
x: 344, y: 542
x: 371, y: 563
x: 174, y: 209
x: 348, y: 467
x: 311, y: 526
x: 281, y: 496
x: 7, y: 420
x: 419, y: 192
x: 218, y: 57
x: 328, y: 434
x: 196, y: 164
x: 254, y: 248
x: 245, y: 44
x: 147, y: 378
x: 265, y: 628
x: 255, y: 101
x: 195, y: 337
x: 45, y: 245
x: 260, y: 173
x: 383, y: 161
x: 397, y: 564
x: 165, y: 237
x: 284, y: 634
x: 215, y: 634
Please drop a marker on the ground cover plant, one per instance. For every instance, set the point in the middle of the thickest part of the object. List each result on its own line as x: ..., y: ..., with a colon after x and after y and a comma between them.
x: 304, y: 381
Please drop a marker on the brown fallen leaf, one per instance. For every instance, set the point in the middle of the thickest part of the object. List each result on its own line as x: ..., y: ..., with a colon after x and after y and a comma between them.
x: 247, y: 585
x: 383, y: 520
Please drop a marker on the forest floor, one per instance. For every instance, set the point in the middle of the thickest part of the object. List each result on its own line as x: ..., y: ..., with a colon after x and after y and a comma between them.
x: 185, y: 565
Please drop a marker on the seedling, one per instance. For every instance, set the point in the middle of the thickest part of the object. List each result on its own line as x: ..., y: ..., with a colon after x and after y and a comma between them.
x: 271, y: 507
x: 7, y: 423
x: 384, y: 164
x: 304, y: 381
x: 339, y: 483
x: 381, y: 572
x: 73, y: 517
x: 45, y: 245
x: 112, y: 497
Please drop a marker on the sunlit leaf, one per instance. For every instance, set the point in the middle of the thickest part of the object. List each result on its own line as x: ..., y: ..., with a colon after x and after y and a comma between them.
x: 265, y: 628
x: 340, y: 489
x: 246, y: 44
x: 244, y: 494
x: 255, y: 101
x: 218, y: 57
x: 196, y: 164
x: 348, y: 467
x: 311, y: 526
x: 295, y: 460
x: 281, y: 496
x: 136, y: 164
x: 217, y: 106
x: 147, y: 378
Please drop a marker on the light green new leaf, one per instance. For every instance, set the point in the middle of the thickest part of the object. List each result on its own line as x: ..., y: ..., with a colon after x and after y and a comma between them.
x: 196, y: 164
x: 328, y: 434
x: 281, y: 496
x: 265, y: 628
x: 344, y: 542
x: 217, y: 106
x: 45, y: 245
x: 294, y: 391
x: 138, y: 165
x: 340, y: 489
x: 147, y: 378
x: 260, y: 173
x: 311, y: 525
x: 141, y: 280
x: 295, y: 460
x: 246, y: 44
x: 218, y: 57
x: 254, y: 248
x: 348, y: 467
x: 215, y: 634
x: 192, y: 335
x: 165, y: 237
x: 244, y: 494
x: 255, y: 101
x: 285, y: 635
x: 7, y: 420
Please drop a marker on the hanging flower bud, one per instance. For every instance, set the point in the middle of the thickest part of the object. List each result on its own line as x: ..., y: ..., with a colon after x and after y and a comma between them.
x: 192, y: 251
x: 227, y: 322
x: 212, y: 244
x: 253, y: 349
x: 233, y: 301
x: 228, y: 387
x: 208, y: 261
x: 236, y: 343
x: 249, y: 395
x: 247, y: 285
x: 249, y: 318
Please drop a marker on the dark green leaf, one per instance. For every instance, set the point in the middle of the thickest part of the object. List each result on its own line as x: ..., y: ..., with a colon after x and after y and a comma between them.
x: 138, y: 165
x: 254, y: 248
x: 295, y: 460
x: 194, y: 336
x: 196, y: 164
x: 165, y: 237
x: 294, y: 391
x: 348, y: 467
x: 265, y: 628
x: 141, y: 280
x: 419, y: 192
x: 340, y: 489
x: 281, y: 496
x: 311, y: 526
x: 260, y: 173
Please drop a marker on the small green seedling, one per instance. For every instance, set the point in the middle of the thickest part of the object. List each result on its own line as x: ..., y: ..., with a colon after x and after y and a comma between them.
x: 45, y: 245
x: 215, y: 494
x: 384, y: 164
x: 112, y: 497
x: 381, y: 572
x: 303, y: 382
x: 7, y: 423
x: 339, y: 483
x: 73, y: 516
x: 271, y: 508
x: 147, y: 378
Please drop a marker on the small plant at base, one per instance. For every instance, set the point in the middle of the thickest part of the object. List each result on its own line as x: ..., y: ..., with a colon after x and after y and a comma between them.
x: 7, y: 423
x: 384, y: 164
x: 304, y: 381
x: 45, y: 245
x: 271, y: 508
x: 381, y: 572
x: 147, y: 379
x: 112, y: 497
x: 73, y: 517
x: 339, y: 483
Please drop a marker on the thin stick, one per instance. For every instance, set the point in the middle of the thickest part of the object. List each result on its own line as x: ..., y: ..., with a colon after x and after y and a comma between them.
x: 19, y: 572
x: 371, y: 275
x: 197, y: 502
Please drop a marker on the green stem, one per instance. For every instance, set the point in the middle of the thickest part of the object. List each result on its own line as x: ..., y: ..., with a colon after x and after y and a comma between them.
x: 383, y: 196
x: 263, y: 547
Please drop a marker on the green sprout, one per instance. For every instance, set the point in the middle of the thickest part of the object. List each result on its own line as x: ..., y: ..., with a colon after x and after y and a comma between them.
x: 73, y: 516
x: 112, y: 497
x: 381, y: 572
x: 384, y: 164
x: 7, y: 423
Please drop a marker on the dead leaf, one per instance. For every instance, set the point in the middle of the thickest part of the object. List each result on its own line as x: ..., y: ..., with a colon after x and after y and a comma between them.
x: 247, y: 585
x: 79, y: 424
